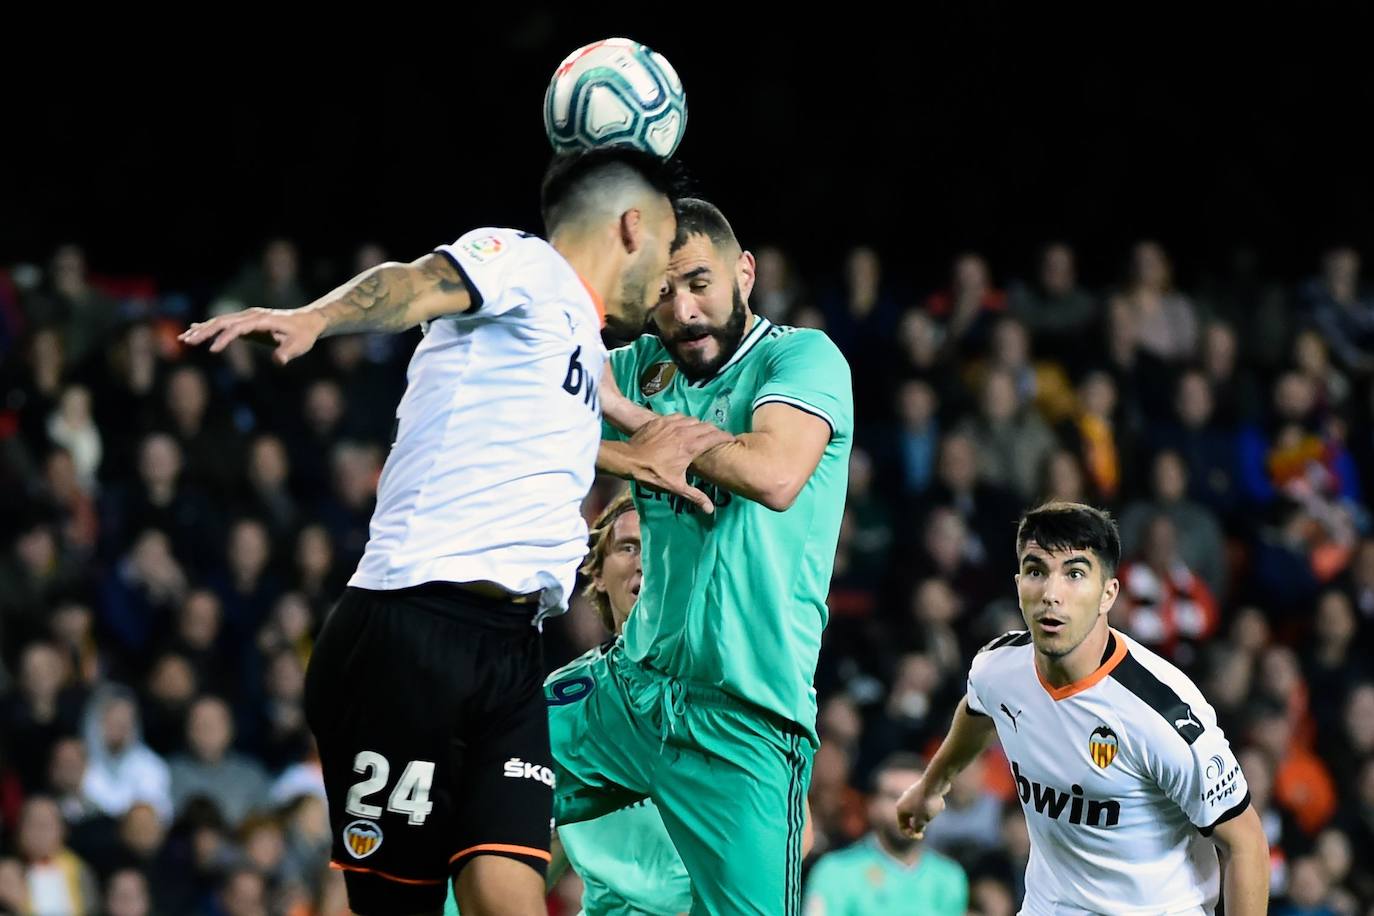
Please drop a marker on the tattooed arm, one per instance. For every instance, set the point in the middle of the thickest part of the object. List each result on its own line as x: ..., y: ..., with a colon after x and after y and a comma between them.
x: 390, y: 297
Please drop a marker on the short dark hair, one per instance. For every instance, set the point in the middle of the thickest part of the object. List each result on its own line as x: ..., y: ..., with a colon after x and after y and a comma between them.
x: 698, y: 217
x: 1068, y: 526
x: 900, y: 760
x: 571, y: 175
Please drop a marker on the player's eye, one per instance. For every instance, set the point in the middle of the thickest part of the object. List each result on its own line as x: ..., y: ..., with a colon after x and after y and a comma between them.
x: 1075, y: 574
x: 699, y: 285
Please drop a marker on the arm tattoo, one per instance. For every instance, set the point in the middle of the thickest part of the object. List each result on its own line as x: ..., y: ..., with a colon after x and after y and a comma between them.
x: 380, y: 299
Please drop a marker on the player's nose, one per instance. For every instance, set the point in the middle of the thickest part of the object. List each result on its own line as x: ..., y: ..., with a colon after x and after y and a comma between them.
x: 684, y: 306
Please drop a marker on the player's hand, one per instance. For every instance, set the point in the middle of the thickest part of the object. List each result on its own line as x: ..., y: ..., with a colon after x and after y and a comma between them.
x: 917, y: 807
x: 666, y: 446
x: 291, y: 331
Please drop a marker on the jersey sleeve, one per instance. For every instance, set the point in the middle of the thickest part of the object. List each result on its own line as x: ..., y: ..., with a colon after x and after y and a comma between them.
x: 971, y: 693
x: 1202, y: 777
x: 807, y: 371
x: 501, y: 269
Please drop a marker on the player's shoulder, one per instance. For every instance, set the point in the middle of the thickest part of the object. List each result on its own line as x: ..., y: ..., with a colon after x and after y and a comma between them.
x: 488, y: 244
x: 1000, y: 654
x: 782, y: 338
x: 1148, y: 682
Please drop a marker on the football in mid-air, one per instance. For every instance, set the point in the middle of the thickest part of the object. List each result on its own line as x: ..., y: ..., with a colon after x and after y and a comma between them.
x: 616, y: 91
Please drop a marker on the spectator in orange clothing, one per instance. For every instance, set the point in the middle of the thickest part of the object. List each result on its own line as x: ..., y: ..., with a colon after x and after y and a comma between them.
x: 1163, y: 603
x: 1302, y: 784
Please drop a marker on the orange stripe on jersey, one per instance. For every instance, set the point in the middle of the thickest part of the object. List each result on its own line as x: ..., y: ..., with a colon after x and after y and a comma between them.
x: 1077, y: 687
x: 503, y: 847
x: 339, y: 866
x: 596, y: 299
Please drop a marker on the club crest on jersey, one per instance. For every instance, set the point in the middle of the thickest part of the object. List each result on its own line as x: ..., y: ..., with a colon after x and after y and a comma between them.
x: 362, y: 838
x: 656, y: 378
x: 484, y: 249
x: 1102, y: 745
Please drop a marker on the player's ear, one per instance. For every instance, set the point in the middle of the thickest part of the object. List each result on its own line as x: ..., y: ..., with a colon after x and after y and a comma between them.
x: 632, y: 230
x: 1109, y: 593
x: 746, y: 271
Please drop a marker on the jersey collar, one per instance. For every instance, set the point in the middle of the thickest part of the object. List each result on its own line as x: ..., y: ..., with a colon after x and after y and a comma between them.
x: 1116, y: 651
x: 756, y: 333
x: 596, y: 300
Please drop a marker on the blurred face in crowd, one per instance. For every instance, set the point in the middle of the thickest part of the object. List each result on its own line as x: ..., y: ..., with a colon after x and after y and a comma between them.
x: 958, y: 463
x: 68, y: 766
x: 244, y: 894
x: 945, y: 537
x: 860, y: 473
x: 1336, y: 623
x: 1064, y: 595
x: 159, y: 461
x: 772, y: 269
x: 249, y: 549
x: 1161, y: 544
x: 172, y: 682
x: 890, y: 784
x: 1219, y: 350
x: 1064, y: 477
x: 1309, y: 354
x: 703, y: 311
x: 916, y: 404
x: 75, y: 407
x: 286, y: 677
x: 1150, y: 268
x: 41, y: 833
x: 1294, y: 396
x: 935, y: 602
x: 42, y: 673
x: 200, y: 619
x: 1194, y: 400
x: 920, y: 338
x: 971, y: 275
x: 265, y: 846
x: 1259, y: 774
x: 863, y: 269
x: 141, y: 831
x: 999, y: 397
x: 279, y: 262
x: 1170, y: 478
x: 324, y: 406
x: 1058, y: 274
x: 127, y: 894
x: 1308, y: 884
x: 37, y: 549
x: 117, y: 724
x: 268, y: 466
x: 209, y: 730
x: 1097, y: 395
x: 314, y: 555
x: 187, y: 396
x: 1341, y: 269
x: 1359, y: 718
x: 1010, y: 344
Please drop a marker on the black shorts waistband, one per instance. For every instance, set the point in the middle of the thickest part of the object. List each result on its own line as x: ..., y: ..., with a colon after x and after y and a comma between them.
x: 448, y: 599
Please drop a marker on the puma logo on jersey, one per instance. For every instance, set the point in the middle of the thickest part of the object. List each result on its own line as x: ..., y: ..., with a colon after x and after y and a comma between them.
x: 519, y: 769
x: 1188, y: 720
x: 1014, y: 726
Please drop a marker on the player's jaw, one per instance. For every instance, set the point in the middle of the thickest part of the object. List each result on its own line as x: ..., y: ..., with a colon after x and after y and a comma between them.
x: 699, y: 349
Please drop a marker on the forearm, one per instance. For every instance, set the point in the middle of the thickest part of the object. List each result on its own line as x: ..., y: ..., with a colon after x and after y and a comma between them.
x: 750, y: 467
x: 969, y: 734
x: 391, y: 297
x: 617, y: 458
x: 1245, y: 883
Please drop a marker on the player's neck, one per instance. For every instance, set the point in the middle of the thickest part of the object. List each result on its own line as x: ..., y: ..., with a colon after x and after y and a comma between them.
x: 905, y: 857
x: 597, y: 265
x: 1078, y: 664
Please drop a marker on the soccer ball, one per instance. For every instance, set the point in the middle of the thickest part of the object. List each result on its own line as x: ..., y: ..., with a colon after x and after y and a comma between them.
x: 615, y: 91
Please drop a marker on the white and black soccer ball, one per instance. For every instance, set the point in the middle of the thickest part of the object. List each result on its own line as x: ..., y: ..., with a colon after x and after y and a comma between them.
x: 616, y: 91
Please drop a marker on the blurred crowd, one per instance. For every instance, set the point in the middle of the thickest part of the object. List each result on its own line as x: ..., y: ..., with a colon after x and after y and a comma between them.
x: 176, y: 525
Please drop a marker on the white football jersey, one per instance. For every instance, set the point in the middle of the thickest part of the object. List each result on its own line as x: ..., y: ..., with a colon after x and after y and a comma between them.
x: 1122, y: 777
x: 497, y: 432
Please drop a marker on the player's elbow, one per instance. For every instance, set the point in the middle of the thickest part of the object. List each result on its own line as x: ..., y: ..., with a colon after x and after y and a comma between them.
x: 781, y: 492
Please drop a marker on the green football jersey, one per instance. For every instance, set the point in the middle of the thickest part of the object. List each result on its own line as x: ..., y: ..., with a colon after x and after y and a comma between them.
x: 736, y: 600
x: 863, y: 879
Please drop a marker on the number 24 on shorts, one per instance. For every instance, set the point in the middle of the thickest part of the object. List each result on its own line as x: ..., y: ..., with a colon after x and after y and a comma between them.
x: 410, y: 797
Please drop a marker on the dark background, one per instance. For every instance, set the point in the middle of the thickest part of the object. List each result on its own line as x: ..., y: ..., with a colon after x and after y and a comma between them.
x: 963, y: 125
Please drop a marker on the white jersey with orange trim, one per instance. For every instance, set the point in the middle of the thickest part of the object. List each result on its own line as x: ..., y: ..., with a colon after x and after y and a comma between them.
x: 498, y: 431
x: 1122, y: 775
